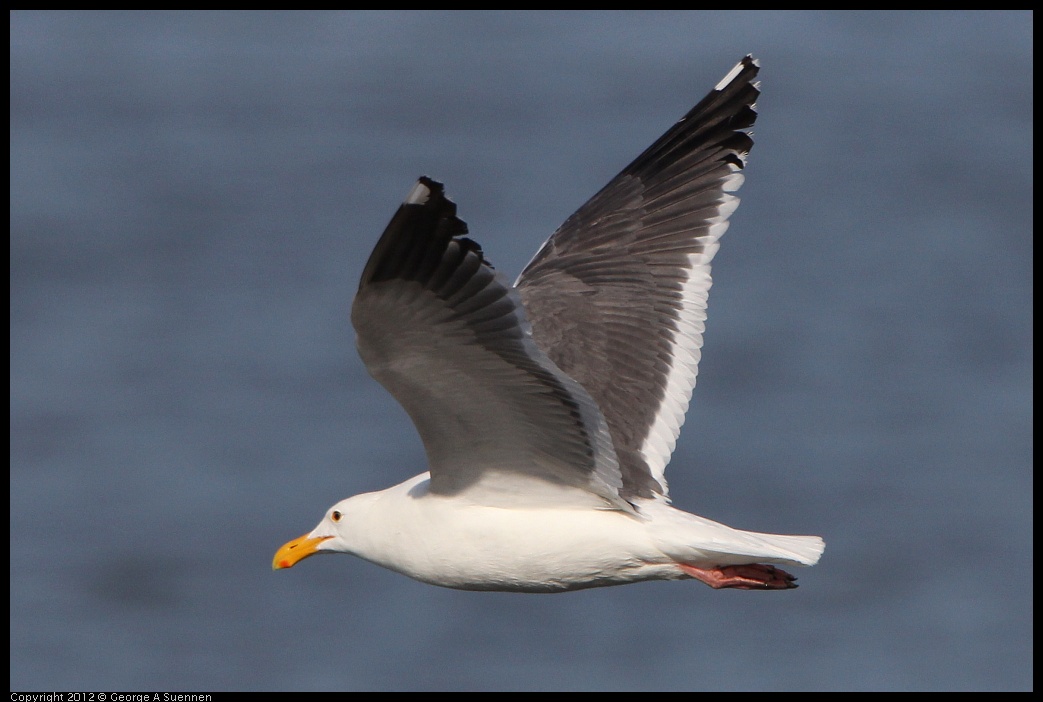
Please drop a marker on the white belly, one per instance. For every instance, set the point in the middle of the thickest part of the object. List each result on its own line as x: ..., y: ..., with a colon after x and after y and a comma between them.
x: 446, y: 541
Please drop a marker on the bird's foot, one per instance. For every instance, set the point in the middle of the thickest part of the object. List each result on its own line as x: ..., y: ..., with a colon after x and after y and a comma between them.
x: 755, y: 576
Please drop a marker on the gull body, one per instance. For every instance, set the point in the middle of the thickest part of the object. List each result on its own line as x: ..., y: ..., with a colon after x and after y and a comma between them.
x: 530, y: 548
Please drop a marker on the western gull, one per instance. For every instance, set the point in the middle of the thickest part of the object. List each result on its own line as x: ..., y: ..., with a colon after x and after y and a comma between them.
x: 549, y: 409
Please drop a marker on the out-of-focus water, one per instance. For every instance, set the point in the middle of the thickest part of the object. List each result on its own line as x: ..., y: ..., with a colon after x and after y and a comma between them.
x: 193, y: 197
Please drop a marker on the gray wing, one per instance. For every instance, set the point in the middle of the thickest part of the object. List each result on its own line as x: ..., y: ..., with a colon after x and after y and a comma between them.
x: 440, y: 330
x: 617, y: 296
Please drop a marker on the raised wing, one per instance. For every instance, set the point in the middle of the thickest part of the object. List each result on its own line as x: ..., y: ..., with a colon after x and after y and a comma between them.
x: 439, y: 329
x: 617, y: 296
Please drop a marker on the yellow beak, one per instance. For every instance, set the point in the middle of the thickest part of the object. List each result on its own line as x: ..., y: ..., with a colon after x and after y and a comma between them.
x: 297, y: 550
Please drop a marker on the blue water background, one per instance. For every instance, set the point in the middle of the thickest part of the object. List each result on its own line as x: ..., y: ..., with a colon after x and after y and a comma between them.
x: 193, y: 197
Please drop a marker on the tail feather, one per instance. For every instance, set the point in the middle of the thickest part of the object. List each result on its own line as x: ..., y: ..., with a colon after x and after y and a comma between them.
x: 688, y: 538
x: 805, y: 550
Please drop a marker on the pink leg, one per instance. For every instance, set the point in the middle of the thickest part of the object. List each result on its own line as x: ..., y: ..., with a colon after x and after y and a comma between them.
x: 744, y: 577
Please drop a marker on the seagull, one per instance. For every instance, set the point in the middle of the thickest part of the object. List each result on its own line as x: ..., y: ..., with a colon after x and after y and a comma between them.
x: 549, y: 409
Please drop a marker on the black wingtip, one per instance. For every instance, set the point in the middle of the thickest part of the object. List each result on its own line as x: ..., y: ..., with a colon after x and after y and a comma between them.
x: 743, y: 72
x: 428, y: 192
x: 417, y: 235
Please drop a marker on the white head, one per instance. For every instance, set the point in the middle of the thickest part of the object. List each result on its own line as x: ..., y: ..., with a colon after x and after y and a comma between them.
x: 360, y: 525
x: 327, y: 537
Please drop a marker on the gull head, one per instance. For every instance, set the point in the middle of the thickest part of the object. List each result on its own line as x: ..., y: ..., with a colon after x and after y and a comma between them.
x: 327, y: 537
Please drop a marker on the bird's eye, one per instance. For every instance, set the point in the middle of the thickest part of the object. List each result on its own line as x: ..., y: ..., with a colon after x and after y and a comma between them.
x: 335, y: 516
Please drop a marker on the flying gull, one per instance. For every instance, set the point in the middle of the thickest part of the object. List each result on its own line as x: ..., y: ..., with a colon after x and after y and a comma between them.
x: 549, y: 409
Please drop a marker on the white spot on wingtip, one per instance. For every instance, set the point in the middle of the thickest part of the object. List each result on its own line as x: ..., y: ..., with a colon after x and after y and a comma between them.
x: 418, y: 195
x: 736, y: 69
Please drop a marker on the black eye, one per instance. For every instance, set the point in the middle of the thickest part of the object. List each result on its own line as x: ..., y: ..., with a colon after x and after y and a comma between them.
x: 335, y: 516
